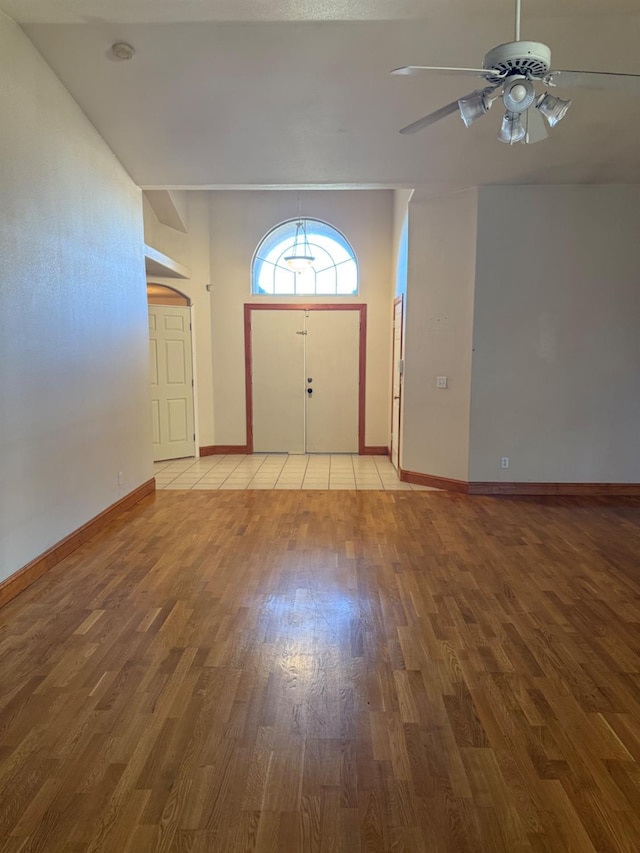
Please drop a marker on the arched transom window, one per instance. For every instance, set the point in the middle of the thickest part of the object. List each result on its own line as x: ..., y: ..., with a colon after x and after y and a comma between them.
x: 304, y: 257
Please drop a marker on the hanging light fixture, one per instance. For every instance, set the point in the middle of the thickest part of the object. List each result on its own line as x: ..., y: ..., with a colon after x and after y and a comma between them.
x: 300, y: 257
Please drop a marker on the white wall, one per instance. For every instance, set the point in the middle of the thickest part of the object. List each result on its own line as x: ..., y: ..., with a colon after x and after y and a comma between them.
x: 438, y: 325
x: 556, y: 368
x: 239, y: 220
x: 74, y: 380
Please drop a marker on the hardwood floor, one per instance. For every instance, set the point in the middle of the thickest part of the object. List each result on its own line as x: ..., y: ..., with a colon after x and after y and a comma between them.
x: 330, y: 671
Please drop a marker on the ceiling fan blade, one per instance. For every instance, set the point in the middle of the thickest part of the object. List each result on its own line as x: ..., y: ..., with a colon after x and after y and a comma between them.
x: 473, y: 72
x: 453, y: 107
x: 535, y: 127
x: 610, y: 81
x: 432, y: 118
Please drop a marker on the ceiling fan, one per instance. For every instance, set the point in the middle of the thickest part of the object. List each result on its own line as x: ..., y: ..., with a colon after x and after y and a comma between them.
x: 512, y: 71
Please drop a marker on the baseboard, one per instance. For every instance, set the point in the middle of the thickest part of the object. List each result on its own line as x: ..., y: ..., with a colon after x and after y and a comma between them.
x: 218, y: 449
x: 559, y: 489
x: 497, y: 488
x: 435, y: 482
x: 224, y: 449
x: 25, y: 576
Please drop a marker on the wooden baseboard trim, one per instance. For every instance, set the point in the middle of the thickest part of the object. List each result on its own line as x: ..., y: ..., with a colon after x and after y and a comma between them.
x: 218, y: 449
x: 560, y: 489
x: 24, y: 577
x: 444, y: 483
x: 224, y: 449
x: 497, y: 488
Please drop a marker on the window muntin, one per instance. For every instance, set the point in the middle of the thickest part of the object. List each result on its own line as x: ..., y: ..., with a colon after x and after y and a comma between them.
x: 333, y: 272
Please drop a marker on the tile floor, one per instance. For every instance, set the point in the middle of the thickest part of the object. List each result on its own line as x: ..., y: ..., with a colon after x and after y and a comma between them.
x: 279, y: 471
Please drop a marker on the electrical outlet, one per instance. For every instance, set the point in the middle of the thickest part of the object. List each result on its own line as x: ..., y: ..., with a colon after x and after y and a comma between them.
x: 120, y: 478
x: 441, y: 382
x: 504, y: 462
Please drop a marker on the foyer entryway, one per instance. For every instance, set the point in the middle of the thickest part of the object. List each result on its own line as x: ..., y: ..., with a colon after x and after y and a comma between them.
x: 280, y: 471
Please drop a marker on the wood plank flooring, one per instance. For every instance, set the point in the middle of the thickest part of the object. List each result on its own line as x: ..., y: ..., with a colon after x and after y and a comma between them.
x: 330, y: 671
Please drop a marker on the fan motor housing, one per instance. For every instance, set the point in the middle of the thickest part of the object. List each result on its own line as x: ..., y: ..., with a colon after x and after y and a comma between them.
x: 527, y: 58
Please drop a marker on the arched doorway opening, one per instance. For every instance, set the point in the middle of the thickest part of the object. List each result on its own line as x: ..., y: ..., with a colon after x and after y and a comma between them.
x: 162, y: 294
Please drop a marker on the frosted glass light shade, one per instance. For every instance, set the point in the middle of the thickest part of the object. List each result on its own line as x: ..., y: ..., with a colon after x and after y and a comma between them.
x: 473, y: 107
x: 512, y: 129
x: 298, y: 263
x: 552, y: 108
x: 518, y: 95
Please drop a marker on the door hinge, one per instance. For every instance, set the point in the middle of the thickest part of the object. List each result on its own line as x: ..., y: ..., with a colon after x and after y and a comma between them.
x: 194, y: 436
x: 192, y: 385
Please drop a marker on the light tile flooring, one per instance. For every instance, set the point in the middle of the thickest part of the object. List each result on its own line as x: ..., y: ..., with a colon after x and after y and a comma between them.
x: 279, y: 471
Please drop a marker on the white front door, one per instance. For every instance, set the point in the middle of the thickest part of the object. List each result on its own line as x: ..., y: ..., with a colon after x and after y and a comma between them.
x: 277, y: 344
x: 171, y: 382
x: 333, y: 351
x: 397, y: 367
x: 305, y: 381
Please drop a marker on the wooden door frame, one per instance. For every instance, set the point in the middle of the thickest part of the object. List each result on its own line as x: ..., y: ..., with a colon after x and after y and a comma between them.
x: 399, y: 300
x: 363, y: 449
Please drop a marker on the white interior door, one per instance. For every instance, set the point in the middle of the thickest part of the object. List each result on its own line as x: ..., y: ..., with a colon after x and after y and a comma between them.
x: 289, y: 348
x: 171, y: 382
x: 333, y: 375
x: 277, y: 345
x: 397, y: 367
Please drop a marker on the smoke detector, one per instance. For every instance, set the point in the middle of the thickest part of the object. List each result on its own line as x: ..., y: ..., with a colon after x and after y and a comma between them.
x: 122, y: 50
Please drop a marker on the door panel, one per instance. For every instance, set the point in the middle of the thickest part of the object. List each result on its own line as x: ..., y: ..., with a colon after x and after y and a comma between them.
x: 171, y: 374
x: 277, y: 344
x: 176, y: 366
x: 333, y: 353
x: 177, y: 412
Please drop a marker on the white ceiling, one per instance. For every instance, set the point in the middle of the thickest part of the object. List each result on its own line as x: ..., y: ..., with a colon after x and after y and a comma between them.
x: 237, y: 93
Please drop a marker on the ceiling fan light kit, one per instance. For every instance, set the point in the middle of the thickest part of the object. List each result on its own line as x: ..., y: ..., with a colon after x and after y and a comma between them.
x: 552, y: 108
x: 512, y: 129
x: 473, y: 107
x: 518, y: 94
x: 515, y: 68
